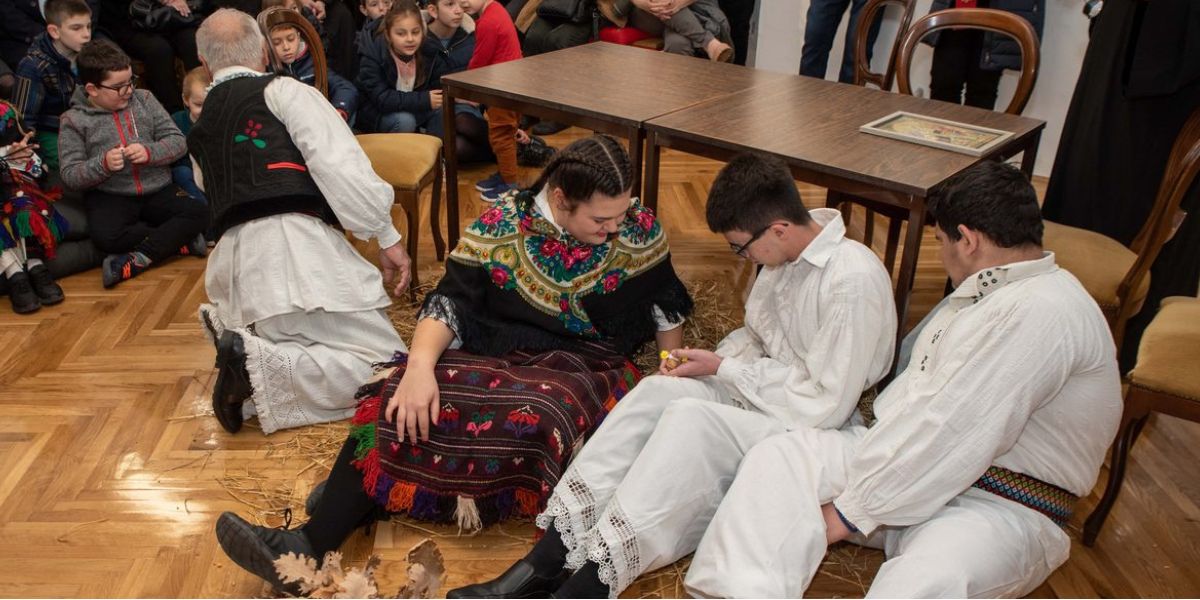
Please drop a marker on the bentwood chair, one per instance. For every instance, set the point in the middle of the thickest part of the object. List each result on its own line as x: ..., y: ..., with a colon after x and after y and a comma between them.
x: 1118, y: 277
x: 862, y: 66
x: 1165, y: 380
x: 990, y: 20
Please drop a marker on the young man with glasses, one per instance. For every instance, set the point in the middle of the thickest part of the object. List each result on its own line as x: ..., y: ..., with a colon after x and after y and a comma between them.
x: 819, y: 331
x: 117, y: 143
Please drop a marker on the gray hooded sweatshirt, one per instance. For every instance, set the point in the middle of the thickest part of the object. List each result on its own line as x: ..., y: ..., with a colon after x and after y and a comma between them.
x: 87, y: 132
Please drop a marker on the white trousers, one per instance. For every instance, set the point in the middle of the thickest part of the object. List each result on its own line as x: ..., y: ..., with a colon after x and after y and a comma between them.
x: 306, y: 367
x: 767, y: 539
x: 641, y: 492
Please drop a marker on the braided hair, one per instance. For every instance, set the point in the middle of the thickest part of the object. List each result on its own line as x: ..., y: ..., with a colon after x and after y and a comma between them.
x: 594, y: 164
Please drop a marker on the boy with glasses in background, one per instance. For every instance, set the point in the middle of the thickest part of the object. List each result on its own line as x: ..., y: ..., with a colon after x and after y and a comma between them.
x: 117, y: 144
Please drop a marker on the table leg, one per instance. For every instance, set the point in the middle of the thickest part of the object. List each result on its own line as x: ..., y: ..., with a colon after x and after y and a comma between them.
x: 653, y: 154
x: 636, y: 137
x: 451, y: 158
x: 1029, y: 156
x: 908, y: 263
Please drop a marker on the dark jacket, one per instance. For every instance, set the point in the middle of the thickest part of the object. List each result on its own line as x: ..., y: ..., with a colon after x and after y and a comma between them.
x: 377, y: 74
x: 21, y: 22
x: 342, y: 94
x: 45, y: 82
x: 1000, y: 51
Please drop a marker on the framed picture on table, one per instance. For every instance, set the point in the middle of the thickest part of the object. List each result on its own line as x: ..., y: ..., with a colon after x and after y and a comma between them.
x: 938, y: 133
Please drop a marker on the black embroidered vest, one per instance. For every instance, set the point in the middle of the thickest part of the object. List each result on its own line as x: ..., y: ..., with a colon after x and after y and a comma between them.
x: 251, y: 168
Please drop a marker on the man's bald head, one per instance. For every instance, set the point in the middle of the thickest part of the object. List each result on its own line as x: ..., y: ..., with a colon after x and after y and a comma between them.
x: 231, y: 38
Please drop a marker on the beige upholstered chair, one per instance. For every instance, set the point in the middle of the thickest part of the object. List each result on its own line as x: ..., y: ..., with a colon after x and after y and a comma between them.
x: 1118, y: 277
x: 1166, y: 379
x: 410, y: 162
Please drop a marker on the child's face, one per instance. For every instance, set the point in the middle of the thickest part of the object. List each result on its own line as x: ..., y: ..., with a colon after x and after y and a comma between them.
x: 473, y: 6
x: 405, y: 35
x: 373, y: 9
x: 193, y: 99
x: 114, y: 91
x: 73, y: 33
x: 447, y: 12
x: 287, y: 44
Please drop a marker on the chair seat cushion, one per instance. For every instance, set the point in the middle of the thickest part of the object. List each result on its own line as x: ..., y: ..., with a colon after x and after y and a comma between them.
x: 1169, y: 353
x: 401, y: 159
x: 622, y: 35
x: 1098, y: 261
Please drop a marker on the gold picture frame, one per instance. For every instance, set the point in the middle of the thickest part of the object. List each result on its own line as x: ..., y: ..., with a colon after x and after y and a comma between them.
x: 938, y: 133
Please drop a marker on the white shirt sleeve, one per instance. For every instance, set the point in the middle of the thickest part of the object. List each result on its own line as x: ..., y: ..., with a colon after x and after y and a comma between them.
x: 665, y: 324
x: 981, y: 383
x: 360, y: 199
x: 822, y: 387
x: 741, y: 343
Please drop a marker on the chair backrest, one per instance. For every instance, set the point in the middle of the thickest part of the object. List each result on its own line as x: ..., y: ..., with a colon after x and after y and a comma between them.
x: 277, y: 16
x: 987, y: 19
x: 862, y: 66
x: 1182, y: 166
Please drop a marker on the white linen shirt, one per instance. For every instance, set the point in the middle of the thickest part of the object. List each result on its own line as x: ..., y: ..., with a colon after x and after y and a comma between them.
x: 818, y: 331
x: 1017, y: 370
x: 294, y: 262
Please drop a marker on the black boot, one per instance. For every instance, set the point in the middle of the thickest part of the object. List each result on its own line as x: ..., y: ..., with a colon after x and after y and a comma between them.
x: 314, y: 498
x: 20, y: 292
x: 520, y: 581
x: 255, y: 548
x: 548, y: 128
x: 47, y: 290
x: 233, y: 381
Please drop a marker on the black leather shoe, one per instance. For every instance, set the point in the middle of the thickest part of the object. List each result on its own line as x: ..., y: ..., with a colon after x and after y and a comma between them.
x: 255, y: 548
x: 20, y: 293
x: 519, y: 581
x: 47, y: 290
x: 314, y: 498
x: 211, y: 327
x: 233, y: 382
x: 548, y: 128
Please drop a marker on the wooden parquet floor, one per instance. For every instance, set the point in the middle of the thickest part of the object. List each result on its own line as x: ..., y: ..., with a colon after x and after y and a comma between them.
x: 112, y: 469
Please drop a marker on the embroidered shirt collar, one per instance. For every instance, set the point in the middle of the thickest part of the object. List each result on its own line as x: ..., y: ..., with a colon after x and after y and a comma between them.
x: 988, y: 280
x: 821, y: 247
x: 232, y: 73
x: 542, y: 203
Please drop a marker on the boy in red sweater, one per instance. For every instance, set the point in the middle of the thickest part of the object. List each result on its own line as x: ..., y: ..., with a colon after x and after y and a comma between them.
x: 496, y: 42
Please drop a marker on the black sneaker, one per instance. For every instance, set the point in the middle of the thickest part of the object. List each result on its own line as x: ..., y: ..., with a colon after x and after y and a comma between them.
x: 47, y: 290
x: 119, y: 267
x: 233, y: 381
x: 548, y: 128
x: 20, y: 293
x: 255, y: 548
x: 197, y: 247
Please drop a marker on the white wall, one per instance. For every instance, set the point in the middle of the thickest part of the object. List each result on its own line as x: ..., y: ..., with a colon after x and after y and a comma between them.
x: 777, y: 35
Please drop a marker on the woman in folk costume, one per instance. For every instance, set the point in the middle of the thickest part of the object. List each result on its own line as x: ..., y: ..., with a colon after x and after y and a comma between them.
x: 30, y: 228
x: 517, y: 357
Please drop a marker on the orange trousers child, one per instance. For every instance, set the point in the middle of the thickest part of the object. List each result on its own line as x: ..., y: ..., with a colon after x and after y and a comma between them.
x: 502, y: 134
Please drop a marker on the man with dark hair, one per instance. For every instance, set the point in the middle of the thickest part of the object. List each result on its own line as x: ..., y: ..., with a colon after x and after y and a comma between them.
x: 819, y: 331
x: 982, y: 445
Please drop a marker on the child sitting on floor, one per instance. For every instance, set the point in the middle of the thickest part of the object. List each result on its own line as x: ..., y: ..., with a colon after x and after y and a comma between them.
x: 496, y: 42
x: 195, y: 90
x: 296, y: 61
x: 117, y: 144
x: 30, y: 228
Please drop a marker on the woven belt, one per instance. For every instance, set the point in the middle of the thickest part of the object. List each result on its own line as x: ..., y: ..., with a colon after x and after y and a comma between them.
x: 1048, y: 499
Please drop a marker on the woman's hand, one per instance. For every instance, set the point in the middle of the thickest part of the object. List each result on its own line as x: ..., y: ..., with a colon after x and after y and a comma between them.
x: 20, y: 149
x: 414, y: 405
x: 180, y: 7
x: 694, y: 363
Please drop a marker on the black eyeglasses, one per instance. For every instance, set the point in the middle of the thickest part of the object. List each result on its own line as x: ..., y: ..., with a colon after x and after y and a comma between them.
x: 741, y: 250
x: 121, y: 89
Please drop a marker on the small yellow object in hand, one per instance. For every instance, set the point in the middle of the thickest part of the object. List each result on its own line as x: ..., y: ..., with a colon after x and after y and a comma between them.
x: 672, y: 360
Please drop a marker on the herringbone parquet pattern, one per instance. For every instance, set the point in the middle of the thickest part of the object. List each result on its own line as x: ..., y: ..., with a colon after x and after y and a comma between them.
x: 111, y: 466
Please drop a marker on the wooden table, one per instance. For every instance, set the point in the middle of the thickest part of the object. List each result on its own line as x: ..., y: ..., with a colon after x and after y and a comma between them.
x: 812, y: 124
x: 604, y: 87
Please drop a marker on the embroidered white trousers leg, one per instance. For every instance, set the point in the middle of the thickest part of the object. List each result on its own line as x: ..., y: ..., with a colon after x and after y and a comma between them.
x: 306, y: 367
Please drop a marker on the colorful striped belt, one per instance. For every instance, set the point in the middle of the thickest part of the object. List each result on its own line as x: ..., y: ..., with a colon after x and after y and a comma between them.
x: 1046, y: 498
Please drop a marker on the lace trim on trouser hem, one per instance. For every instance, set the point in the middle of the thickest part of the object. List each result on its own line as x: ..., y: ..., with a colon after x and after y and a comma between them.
x: 271, y: 379
x: 572, y: 511
x: 619, y: 568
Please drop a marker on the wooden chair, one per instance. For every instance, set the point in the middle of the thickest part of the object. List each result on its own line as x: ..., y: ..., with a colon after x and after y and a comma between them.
x: 1165, y: 380
x: 410, y: 162
x: 862, y: 66
x: 996, y: 21
x: 1118, y: 277
x: 274, y: 17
